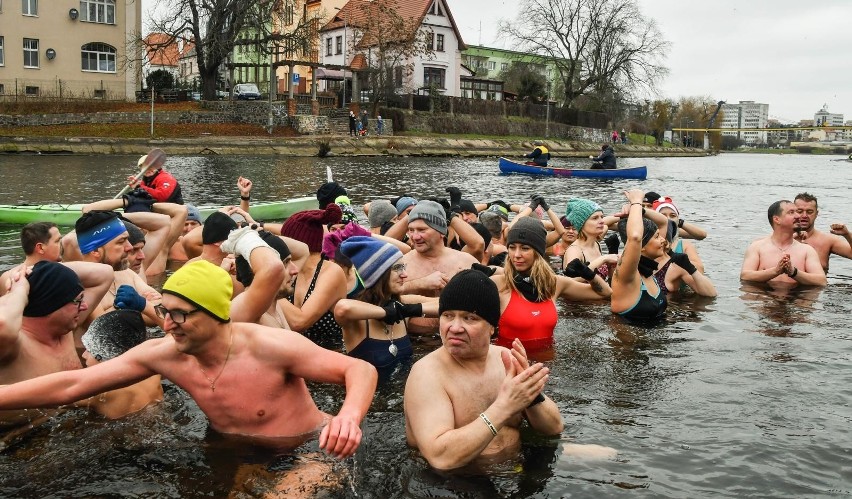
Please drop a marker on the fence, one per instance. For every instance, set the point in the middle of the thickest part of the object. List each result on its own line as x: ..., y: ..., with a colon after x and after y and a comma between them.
x: 480, y: 107
x: 31, y: 88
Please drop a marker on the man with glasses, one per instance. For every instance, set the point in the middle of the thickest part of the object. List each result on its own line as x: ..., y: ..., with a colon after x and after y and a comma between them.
x: 44, y: 303
x: 248, y: 379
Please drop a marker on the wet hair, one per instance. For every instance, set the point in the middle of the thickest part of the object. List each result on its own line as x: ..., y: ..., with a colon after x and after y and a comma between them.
x: 541, y: 275
x: 775, y: 210
x: 804, y: 196
x: 34, y: 233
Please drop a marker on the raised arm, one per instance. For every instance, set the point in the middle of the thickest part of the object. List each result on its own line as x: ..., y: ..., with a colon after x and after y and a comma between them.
x: 12, y: 312
x: 96, y: 279
x: 269, y: 273
x: 244, y: 185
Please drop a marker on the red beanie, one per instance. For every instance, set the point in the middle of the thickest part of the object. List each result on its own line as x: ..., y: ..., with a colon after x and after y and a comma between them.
x: 307, y: 226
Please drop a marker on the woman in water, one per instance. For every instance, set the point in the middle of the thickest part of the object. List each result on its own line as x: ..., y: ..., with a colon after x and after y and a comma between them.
x: 636, y: 296
x: 374, y: 326
x: 587, y: 216
x: 529, y: 286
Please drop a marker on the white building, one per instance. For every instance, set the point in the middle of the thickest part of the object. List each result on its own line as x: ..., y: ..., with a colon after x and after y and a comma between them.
x: 346, y: 40
x: 824, y: 118
x: 746, y: 114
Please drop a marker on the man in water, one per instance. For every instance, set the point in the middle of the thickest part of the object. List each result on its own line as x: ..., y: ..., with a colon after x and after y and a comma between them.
x: 540, y: 155
x: 778, y: 257
x: 43, y: 305
x: 431, y: 265
x: 466, y: 400
x: 41, y: 241
x: 248, y: 379
x: 824, y: 244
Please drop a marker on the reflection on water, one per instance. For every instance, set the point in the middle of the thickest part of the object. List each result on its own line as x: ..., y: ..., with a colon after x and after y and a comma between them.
x: 745, y: 394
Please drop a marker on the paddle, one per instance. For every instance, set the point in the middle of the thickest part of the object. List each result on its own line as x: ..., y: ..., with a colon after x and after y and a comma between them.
x: 155, y: 158
x: 328, y: 174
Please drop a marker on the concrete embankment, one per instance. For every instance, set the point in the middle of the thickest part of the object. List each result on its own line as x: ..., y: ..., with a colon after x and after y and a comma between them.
x: 339, y: 146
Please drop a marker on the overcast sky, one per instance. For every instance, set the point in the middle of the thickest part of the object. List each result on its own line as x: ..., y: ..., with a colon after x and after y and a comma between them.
x: 790, y: 54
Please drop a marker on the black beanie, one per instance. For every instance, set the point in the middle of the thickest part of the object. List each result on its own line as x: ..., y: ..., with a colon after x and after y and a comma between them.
x: 649, y: 228
x: 328, y: 192
x: 217, y: 227
x: 134, y: 233
x: 529, y: 231
x: 472, y: 291
x: 52, y: 286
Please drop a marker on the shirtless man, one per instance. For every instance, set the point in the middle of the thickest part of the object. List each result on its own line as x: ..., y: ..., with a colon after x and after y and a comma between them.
x: 248, y: 379
x: 102, y: 237
x: 464, y: 402
x: 41, y: 241
x: 432, y: 264
x: 778, y: 258
x: 36, y: 315
x: 824, y: 244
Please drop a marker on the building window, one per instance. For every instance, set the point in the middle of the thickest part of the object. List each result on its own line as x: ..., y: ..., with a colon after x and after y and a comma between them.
x: 328, y: 46
x: 492, y: 65
x: 289, y: 13
x: 99, y: 93
x: 30, y: 53
x: 2, y: 53
x: 98, y: 11
x: 430, y: 40
x: 31, y: 91
x: 98, y: 57
x: 338, y: 45
x: 440, y: 43
x: 29, y: 7
x: 504, y: 66
x: 2, y: 89
x: 435, y: 9
x: 433, y: 76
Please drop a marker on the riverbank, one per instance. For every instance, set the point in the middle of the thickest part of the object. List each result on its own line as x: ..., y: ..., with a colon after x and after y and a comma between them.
x: 338, y: 145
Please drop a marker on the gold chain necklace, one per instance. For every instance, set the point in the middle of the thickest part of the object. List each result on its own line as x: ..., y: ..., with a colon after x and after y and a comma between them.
x: 227, y: 356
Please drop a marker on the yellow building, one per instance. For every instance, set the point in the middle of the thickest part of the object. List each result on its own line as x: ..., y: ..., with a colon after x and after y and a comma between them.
x: 70, y: 48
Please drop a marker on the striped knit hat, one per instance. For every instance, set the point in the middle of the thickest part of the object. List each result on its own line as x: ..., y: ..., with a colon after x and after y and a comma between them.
x: 371, y: 257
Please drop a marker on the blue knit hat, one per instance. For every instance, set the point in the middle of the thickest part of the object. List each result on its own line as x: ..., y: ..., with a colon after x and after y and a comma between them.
x: 371, y: 257
x: 579, y: 210
x: 403, y: 203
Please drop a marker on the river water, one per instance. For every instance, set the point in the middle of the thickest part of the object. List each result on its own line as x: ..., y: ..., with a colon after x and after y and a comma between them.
x: 746, y: 394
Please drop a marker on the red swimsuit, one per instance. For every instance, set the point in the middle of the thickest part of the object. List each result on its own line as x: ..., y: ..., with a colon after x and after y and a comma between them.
x: 531, y: 322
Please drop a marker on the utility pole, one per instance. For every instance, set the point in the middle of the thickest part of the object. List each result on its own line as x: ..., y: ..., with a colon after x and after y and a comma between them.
x: 547, y: 115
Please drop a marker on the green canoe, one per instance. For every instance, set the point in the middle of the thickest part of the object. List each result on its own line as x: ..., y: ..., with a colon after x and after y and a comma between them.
x: 67, y: 214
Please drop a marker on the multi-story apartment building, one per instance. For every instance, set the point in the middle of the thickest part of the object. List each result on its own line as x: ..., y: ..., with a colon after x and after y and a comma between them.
x: 70, y: 48
x: 488, y: 63
x: 746, y: 114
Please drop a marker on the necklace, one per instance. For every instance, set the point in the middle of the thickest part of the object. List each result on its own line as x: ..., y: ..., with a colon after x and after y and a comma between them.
x: 392, y: 348
x: 227, y: 356
x: 783, y: 250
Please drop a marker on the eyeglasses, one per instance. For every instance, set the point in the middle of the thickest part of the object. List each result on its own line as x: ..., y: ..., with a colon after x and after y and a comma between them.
x: 398, y: 267
x: 78, y: 302
x: 178, y: 316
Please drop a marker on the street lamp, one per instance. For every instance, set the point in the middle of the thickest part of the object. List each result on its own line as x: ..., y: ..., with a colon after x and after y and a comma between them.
x: 343, y: 99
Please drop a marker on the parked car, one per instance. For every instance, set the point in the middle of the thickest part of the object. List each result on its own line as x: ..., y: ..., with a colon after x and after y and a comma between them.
x: 246, y: 91
x: 223, y: 94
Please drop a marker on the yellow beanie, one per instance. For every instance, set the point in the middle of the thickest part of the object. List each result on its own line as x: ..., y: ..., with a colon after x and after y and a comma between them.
x: 205, y: 285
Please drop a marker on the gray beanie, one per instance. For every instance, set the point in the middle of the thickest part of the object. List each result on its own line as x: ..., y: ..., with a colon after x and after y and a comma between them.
x: 431, y: 213
x: 493, y: 222
x: 381, y: 212
x: 529, y: 231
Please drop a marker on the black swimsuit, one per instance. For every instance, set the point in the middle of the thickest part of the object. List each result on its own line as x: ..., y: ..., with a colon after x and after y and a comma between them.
x: 375, y: 351
x: 647, y: 309
x: 325, y: 332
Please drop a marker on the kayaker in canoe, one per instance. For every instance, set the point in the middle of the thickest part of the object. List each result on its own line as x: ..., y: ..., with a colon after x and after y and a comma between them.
x: 158, y: 183
x: 539, y: 156
x: 605, y: 160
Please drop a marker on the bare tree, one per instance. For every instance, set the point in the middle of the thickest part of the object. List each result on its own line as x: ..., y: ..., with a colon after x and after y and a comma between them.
x: 215, y: 27
x: 597, y: 46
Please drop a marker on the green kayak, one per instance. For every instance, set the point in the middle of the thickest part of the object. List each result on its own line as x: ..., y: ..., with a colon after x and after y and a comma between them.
x: 67, y: 214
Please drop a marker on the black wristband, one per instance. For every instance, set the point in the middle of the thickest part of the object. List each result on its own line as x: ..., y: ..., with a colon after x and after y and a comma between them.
x: 680, y: 222
x: 794, y: 272
x: 537, y: 400
x: 245, y: 198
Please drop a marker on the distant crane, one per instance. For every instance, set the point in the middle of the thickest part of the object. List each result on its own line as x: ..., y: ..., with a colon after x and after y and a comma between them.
x: 711, y: 123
